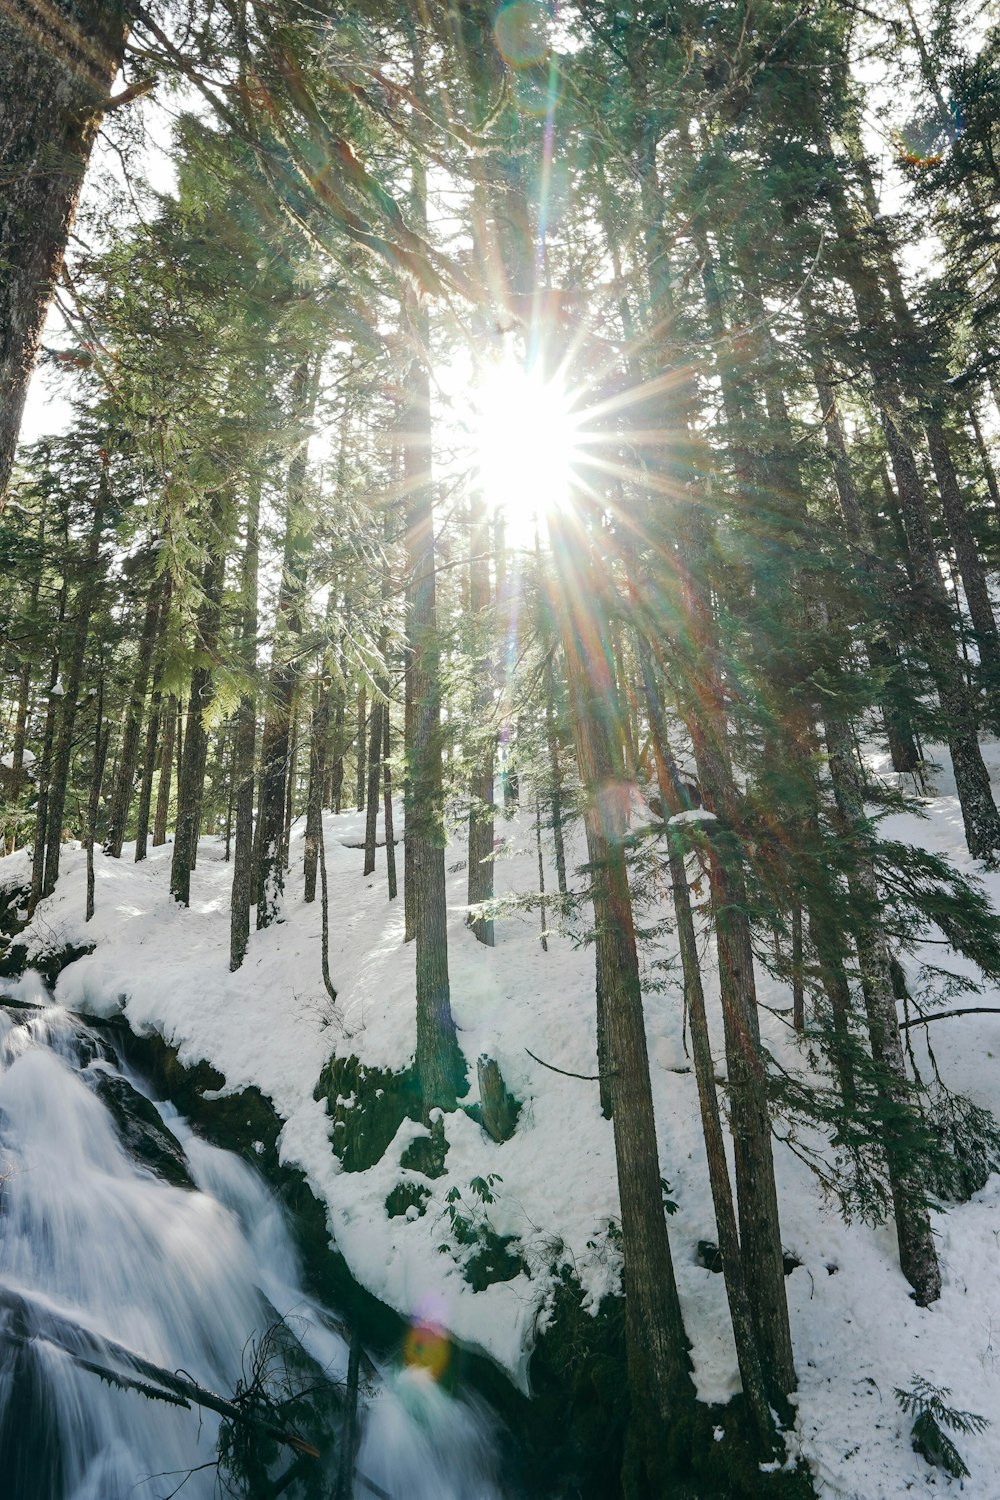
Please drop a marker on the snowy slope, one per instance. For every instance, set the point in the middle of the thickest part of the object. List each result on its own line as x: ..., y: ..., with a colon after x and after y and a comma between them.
x: 857, y: 1333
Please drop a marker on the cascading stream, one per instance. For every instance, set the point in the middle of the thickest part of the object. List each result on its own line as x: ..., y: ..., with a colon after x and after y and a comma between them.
x: 98, y: 1251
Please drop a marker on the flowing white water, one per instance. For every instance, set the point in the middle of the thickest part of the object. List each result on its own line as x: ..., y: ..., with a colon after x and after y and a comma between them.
x: 92, y: 1243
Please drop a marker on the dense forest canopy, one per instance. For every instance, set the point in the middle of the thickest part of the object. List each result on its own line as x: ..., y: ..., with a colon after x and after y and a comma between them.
x: 585, y: 409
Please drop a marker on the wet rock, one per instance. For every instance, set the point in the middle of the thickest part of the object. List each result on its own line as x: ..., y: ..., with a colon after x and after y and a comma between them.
x: 49, y: 963
x: 426, y: 1153
x: 709, y: 1255
x: 13, y: 902
x: 140, y: 1128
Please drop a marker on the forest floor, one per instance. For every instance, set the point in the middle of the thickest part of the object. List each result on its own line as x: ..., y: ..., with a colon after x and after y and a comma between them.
x: 857, y: 1333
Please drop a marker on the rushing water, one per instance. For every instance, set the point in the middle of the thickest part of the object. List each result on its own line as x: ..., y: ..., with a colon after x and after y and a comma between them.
x: 99, y: 1252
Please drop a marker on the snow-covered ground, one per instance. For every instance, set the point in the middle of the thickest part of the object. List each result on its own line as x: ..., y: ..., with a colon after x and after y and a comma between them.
x: 856, y: 1331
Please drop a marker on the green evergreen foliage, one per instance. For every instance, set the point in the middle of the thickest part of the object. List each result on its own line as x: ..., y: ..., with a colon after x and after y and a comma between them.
x: 927, y: 1404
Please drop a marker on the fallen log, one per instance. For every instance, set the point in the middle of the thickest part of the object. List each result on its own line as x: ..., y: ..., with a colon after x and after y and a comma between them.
x: 98, y: 1353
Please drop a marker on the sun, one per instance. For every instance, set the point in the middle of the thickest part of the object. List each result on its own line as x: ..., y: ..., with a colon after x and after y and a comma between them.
x: 527, y: 441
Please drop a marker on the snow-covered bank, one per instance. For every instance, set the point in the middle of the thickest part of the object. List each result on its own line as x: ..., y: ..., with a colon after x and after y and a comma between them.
x: 856, y: 1331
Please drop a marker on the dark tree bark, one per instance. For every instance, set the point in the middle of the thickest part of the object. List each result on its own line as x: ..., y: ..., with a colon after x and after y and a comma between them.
x: 91, y: 581
x: 191, y: 778
x: 276, y: 739
x: 390, y: 838
x: 934, y: 615
x: 44, y: 772
x: 171, y: 732
x: 440, y: 1066
x: 148, y: 774
x: 58, y: 61
x: 917, y: 1254
x: 122, y: 787
x: 374, y: 781
x: 541, y: 874
x: 361, y: 744
x: 318, y: 744
x: 24, y: 679
x: 882, y: 654
x: 659, y: 1375
x: 102, y: 736
x: 245, y: 739
x: 989, y: 472
x: 674, y: 801
x: 291, y: 785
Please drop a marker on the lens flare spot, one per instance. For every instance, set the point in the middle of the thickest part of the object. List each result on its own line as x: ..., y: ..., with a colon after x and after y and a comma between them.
x: 427, y: 1347
x: 521, y: 31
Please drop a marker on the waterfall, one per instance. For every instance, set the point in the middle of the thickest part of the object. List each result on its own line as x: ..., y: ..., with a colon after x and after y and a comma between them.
x: 187, y: 1266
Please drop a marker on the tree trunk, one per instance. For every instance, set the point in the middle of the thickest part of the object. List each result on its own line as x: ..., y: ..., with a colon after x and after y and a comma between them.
x: 656, y: 1344
x: 374, y: 779
x: 275, y: 764
x: 102, y: 735
x: 362, y: 727
x: 91, y: 581
x: 121, y: 793
x: 934, y: 614
x: 44, y: 772
x: 148, y: 773
x: 170, y: 734
x: 480, y: 854
x: 318, y: 742
x: 917, y: 1255
x: 556, y: 800
x: 748, y: 1352
x: 882, y: 654
x: 191, y: 778
x: 440, y: 1067
x: 57, y: 63
x: 390, y: 843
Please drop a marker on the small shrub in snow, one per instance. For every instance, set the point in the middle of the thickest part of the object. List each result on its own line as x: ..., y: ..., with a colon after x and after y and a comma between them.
x: 927, y: 1404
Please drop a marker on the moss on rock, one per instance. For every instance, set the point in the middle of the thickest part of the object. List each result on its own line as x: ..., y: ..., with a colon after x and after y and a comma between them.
x: 407, y: 1195
x: 367, y: 1107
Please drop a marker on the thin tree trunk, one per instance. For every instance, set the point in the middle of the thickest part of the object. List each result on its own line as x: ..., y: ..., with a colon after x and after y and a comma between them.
x: 440, y: 1066
x: 279, y: 712
x: 748, y: 1350
x: 148, y: 774
x: 44, y: 772
x: 91, y: 581
x: 170, y: 733
x: 935, y: 621
x: 481, y: 829
x: 541, y: 873
x: 917, y: 1254
x: 191, y: 777
x: 318, y: 742
x: 390, y: 838
x: 881, y: 653
x: 291, y: 785
x: 24, y: 680
x: 656, y: 1344
x: 362, y: 727
x: 552, y: 737
x: 122, y: 784
x: 102, y: 736
x: 374, y: 779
